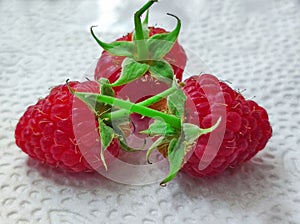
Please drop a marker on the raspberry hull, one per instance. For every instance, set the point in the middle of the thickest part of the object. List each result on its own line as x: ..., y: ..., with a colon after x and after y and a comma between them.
x: 46, y: 130
x: 109, y: 66
x: 243, y: 133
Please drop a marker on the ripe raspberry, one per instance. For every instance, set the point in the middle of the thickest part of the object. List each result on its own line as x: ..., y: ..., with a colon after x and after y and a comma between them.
x: 247, y: 128
x: 46, y: 131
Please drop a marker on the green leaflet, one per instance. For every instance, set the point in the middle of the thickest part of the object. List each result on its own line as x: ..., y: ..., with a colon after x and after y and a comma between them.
x: 105, y: 88
x: 176, y: 152
x: 90, y: 99
x: 179, y: 148
x: 106, y: 136
x: 160, y: 44
x: 121, y: 126
x: 208, y: 130
x: 176, y: 103
x: 145, y: 25
x: 162, y: 71
x: 118, y: 48
x: 131, y: 70
x: 93, y: 102
x: 159, y: 127
x: 145, y: 28
x: 193, y: 132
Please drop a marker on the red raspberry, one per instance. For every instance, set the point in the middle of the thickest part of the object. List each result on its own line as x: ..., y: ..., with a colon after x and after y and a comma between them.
x: 46, y: 131
x: 244, y: 131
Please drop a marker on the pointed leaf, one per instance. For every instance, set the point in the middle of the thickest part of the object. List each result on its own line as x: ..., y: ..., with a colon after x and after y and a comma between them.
x: 90, y: 99
x: 212, y: 128
x: 105, y: 88
x: 131, y: 70
x: 106, y: 136
x: 176, y: 153
x: 145, y: 28
x: 159, y: 127
x: 146, y: 20
x: 192, y: 132
x: 176, y: 103
x: 118, y: 48
x: 162, y: 71
x: 160, y: 44
x: 179, y: 148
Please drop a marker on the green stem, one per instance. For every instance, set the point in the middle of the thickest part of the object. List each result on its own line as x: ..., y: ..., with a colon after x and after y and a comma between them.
x: 141, y: 45
x: 121, y: 113
x: 142, y: 110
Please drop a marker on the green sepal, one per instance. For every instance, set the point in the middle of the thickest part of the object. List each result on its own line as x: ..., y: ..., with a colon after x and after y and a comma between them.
x: 160, y: 44
x: 178, y: 149
x: 144, y: 26
x: 105, y: 88
x: 162, y: 71
x: 90, y: 100
x: 159, y: 127
x: 160, y: 141
x: 118, y: 48
x: 146, y: 20
x: 176, y: 153
x: 120, y: 131
x: 212, y: 128
x: 94, y: 103
x: 106, y: 135
x: 131, y: 70
x: 193, y: 132
x: 176, y: 103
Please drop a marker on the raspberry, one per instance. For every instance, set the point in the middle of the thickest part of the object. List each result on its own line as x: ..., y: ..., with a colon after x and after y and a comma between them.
x: 46, y: 131
x: 246, y: 128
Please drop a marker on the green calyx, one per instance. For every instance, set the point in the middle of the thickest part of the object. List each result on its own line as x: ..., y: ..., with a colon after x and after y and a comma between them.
x: 143, y: 54
x: 101, y: 105
x: 181, y: 144
x: 170, y: 127
x: 180, y: 140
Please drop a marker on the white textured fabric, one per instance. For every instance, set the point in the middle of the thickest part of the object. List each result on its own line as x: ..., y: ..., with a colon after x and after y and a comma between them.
x: 253, y: 44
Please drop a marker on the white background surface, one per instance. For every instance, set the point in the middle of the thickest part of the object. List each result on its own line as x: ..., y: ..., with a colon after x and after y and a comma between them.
x: 253, y: 44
